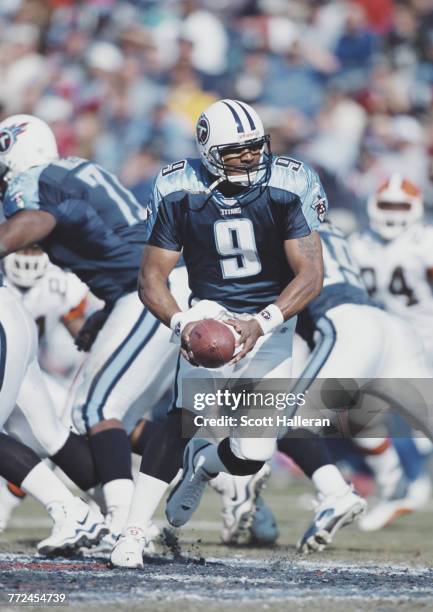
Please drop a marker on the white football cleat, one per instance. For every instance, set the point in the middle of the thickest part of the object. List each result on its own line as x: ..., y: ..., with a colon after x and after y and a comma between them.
x: 8, y: 502
x: 406, y: 498
x: 109, y: 541
x: 186, y: 495
x: 103, y: 547
x: 115, y: 520
x: 130, y: 548
x: 239, y: 496
x: 332, y: 513
x: 75, y: 525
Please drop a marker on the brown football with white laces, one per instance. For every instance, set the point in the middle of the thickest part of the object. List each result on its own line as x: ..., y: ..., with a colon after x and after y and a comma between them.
x: 212, y: 343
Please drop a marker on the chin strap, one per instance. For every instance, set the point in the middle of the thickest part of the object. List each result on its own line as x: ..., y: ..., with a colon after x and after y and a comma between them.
x: 215, y: 184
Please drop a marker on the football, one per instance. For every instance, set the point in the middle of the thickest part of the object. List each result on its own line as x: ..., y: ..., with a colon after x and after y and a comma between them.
x: 212, y: 343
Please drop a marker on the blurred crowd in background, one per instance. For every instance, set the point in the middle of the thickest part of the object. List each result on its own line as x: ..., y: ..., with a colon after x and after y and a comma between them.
x: 345, y: 85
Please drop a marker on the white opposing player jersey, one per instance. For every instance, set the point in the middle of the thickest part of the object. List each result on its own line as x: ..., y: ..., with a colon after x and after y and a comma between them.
x: 395, y: 274
x: 52, y: 297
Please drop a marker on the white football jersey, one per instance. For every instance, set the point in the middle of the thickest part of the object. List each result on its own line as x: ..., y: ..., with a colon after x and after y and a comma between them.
x: 395, y: 274
x: 53, y: 297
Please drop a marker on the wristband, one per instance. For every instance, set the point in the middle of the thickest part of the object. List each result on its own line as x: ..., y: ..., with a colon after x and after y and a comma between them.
x: 177, y: 322
x: 203, y: 309
x: 269, y: 318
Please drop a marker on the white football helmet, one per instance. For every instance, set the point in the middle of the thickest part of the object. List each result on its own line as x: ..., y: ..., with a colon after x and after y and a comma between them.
x: 395, y: 206
x: 24, y: 268
x: 25, y: 141
x: 230, y: 124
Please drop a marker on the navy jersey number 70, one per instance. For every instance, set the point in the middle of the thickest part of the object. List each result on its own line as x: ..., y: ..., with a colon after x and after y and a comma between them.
x: 100, y: 230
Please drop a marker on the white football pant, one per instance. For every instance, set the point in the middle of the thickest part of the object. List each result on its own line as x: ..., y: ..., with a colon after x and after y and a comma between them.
x: 271, y: 357
x: 131, y: 364
x: 21, y: 381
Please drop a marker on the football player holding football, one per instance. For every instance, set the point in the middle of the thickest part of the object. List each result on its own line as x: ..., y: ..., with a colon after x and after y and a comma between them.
x: 246, y: 223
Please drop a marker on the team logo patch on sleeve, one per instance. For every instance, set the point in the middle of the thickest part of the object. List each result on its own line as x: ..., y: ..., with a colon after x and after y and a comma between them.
x: 320, y: 207
x: 203, y: 130
x: 18, y: 199
x: 8, y: 136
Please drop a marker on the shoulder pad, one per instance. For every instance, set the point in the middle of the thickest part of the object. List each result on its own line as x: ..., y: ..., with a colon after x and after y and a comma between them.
x: 292, y: 174
x: 23, y: 192
x: 298, y: 178
x: 184, y: 175
x: 54, y: 271
x: 421, y: 231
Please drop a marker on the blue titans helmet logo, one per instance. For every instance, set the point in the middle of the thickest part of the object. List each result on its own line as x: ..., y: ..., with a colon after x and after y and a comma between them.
x: 8, y: 136
x: 203, y: 130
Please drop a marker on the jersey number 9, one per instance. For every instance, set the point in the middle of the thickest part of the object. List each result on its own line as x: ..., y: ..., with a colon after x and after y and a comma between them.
x: 236, y: 238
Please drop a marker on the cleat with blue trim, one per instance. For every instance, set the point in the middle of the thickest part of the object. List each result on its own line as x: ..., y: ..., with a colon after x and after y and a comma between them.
x: 264, y: 528
x: 186, y: 495
x: 332, y: 513
x: 75, y: 525
x: 239, y: 496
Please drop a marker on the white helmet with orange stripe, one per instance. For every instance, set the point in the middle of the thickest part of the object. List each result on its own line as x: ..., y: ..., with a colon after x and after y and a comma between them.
x: 396, y: 205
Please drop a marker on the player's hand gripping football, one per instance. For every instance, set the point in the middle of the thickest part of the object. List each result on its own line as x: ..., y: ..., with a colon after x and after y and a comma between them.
x: 185, y: 348
x: 249, y: 332
x: 91, y: 328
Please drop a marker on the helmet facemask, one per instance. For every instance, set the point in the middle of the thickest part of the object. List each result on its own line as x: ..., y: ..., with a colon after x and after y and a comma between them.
x: 242, y: 174
x: 24, y: 268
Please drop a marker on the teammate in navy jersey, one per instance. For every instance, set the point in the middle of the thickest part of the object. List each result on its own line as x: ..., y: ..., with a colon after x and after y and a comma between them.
x: 353, y: 338
x: 89, y: 223
x: 245, y: 223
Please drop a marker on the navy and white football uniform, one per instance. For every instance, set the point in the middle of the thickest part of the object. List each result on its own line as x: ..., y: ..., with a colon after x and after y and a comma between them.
x: 233, y: 248
x: 100, y: 233
x: 101, y: 228
x: 353, y: 336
